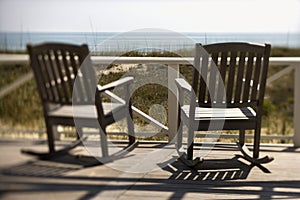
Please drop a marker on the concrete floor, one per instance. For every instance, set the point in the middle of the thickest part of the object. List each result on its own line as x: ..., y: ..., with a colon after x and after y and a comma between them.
x: 221, y: 176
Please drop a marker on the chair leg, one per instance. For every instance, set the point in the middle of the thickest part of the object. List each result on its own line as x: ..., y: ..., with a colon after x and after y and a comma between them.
x: 190, y: 149
x: 50, y: 137
x: 256, y: 143
x: 103, y: 138
x: 130, y: 126
x: 242, y: 137
x: 79, y: 133
x: 179, y: 135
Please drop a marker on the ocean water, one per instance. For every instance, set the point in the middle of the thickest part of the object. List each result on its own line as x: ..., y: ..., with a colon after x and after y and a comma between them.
x: 112, y: 41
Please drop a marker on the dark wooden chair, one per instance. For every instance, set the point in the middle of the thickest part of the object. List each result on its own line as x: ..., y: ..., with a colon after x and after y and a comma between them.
x: 227, y: 93
x: 70, y: 96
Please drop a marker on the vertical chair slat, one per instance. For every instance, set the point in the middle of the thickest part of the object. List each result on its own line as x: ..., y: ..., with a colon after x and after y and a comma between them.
x: 64, y: 83
x: 89, y: 82
x: 239, y: 79
x: 222, y: 78
x: 69, y: 73
x: 203, y: 80
x: 80, y: 92
x: 231, y: 75
x: 53, y: 69
x: 47, y: 75
x: 248, y: 76
x: 89, y: 73
x: 213, y: 77
x: 256, y: 77
x: 197, y: 67
x: 264, y: 73
x: 52, y: 77
x: 41, y: 75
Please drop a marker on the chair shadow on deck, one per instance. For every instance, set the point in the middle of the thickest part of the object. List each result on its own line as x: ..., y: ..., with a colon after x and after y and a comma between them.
x: 210, y: 170
x: 44, y: 168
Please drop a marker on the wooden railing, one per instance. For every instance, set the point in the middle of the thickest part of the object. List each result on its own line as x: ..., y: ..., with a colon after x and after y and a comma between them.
x: 292, y: 63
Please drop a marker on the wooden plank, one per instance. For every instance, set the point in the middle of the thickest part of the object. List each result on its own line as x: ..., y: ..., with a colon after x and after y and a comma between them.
x: 66, y: 92
x: 213, y: 77
x: 256, y: 77
x: 240, y: 75
x: 248, y: 76
x: 222, y: 78
x: 65, y: 64
x: 231, y: 76
x: 54, y: 71
x: 203, y: 81
x: 46, y: 74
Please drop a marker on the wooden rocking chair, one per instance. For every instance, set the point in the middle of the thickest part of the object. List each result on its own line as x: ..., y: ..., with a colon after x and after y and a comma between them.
x: 70, y: 96
x: 227, y: 93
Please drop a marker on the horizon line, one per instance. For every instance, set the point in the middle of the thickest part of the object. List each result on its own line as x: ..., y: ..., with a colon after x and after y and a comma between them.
x: 133, y: 31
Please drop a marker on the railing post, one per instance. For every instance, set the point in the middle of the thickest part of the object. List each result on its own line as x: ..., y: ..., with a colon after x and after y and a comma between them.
x: 173, y: 73
x: 297, y: 107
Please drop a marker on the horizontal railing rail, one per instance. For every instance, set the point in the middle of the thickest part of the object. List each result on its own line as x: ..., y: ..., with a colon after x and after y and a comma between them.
x: 173, y: 63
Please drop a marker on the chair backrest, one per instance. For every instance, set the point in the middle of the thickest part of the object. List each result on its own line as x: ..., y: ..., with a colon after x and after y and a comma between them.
x: 235, y: 78
x: 56, y: 66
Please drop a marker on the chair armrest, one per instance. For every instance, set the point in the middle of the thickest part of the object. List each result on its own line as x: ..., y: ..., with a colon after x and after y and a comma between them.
x: 183, y: 85
x: 123, y: 81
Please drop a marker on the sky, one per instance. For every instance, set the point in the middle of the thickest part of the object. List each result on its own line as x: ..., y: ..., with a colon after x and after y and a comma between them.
x: 127, y: 15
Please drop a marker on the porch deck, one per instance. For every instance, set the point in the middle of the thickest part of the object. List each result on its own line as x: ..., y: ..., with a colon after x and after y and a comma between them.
x: 221, y: 176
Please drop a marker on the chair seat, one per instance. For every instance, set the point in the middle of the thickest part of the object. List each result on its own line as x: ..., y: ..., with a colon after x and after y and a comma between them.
x: 88, y: 113
x: 69, y: 111
x: 202, y: 113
